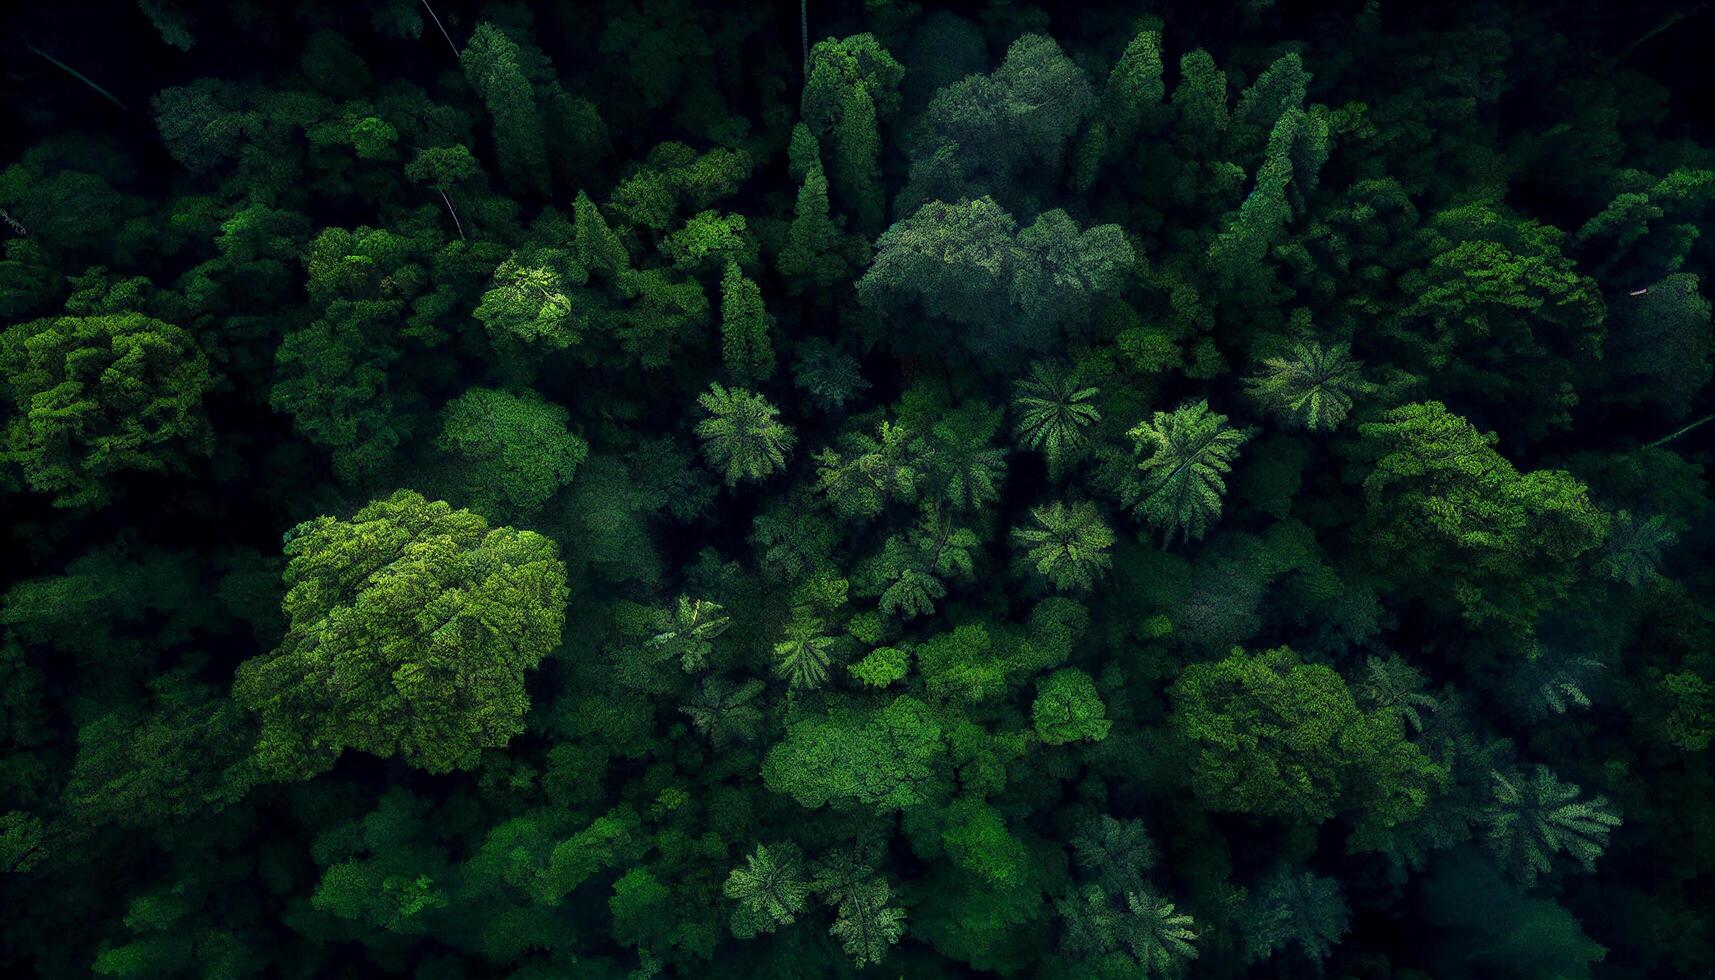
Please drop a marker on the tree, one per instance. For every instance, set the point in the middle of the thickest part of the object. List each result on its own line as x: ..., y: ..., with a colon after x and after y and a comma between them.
x: 1500, y: 318
x: 1117, y: 852
x: 742, y: 437
x: 1446, y: 509
x: 1054, y: 408
x: 1536, y: 816
x: 1133, y: 96
x: 492, y: 64
x: 769, y: 888
x: 867, y: 472
x: 513, y: 451
x: 1300, y: 908
x: 1067, y: 709
x: 186, y: 757
x: 850, y: 84
x: 725, y: 713
x: 830, y: 376
x: 802, y: 658
x: 1659, y: 346
x: 1183, y: 458
x: 745, y: 323
x: 1391, y: 684
x: 980, y: 134
x: 410, y: 628
x: 969, y: 264
x: 865, y: 924
x: 528, y: 311
x: 1145, y: 937
x: 1066, y: 545
x: 816, y: 254
x: 95, y: 396
x: 1278, y: 738
x: 1633, y: 551
x: 1311, y: 388
x: 684, y: 632
x: 958, y: 463
x: 886, y: 759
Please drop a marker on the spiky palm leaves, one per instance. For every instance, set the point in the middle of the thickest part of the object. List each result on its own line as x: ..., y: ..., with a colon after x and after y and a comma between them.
x: 1054, y: 410
x: 1634, y: 548
x: 1066, y: 545
x: 1311, y: 387
x: 1391, y: 684
x: 684, y: 632
x: 1159, y: 938
x: 743, y: 436
x: 1537, y: 816
x: 802, y: 657
x: 724, y: 712
x: 1183, y: 459
x: 1300, y: 908
x: 770, y: 890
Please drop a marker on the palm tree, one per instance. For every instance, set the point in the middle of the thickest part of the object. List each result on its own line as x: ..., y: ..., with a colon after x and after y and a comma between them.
x: 1068, y: 546
x: 1053, y: 412
x: 743, y: 437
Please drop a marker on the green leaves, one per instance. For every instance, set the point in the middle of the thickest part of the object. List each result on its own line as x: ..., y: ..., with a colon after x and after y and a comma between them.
x: 1278, y: 738
x: 865, y: 924
x: 1310, y: 388
x: 1183, y: 459
x: 1146, y: 935
x: 528, y: 310
x: 1065, y: 545
x: 1053, y: 409
x: 743, y: 438
x: 770, y: 890
x: 1535, y: 816
x: 684, y: 632
x: 492, y: 63
x: 802, y: 657
x: 745, y: 346
x: 411, y: 626
x: 885, y: 759
x: 513, y: 451
x: 725, y: 713
x: 1443, y: 505
x: 96, y: 396
x: 1009, y: 290
x: 1297, y: 908
x: 1067, y: 709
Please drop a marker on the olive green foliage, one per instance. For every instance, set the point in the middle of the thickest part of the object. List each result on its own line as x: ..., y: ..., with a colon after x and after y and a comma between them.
x: 1444, y: 506
x: 410, y: 627
x: 95, y: 396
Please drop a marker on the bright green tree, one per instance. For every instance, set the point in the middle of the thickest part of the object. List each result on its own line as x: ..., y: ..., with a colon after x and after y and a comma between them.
x: 94, y: 396
x: 1275, y: 737
x: 410, y: 628
x: 1068, y: 709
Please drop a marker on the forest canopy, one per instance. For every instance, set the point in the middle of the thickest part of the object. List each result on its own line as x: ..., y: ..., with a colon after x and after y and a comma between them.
x: 661, y: 488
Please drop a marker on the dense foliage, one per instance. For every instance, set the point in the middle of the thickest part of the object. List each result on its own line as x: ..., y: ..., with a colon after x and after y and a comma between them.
x: 644, y: 488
